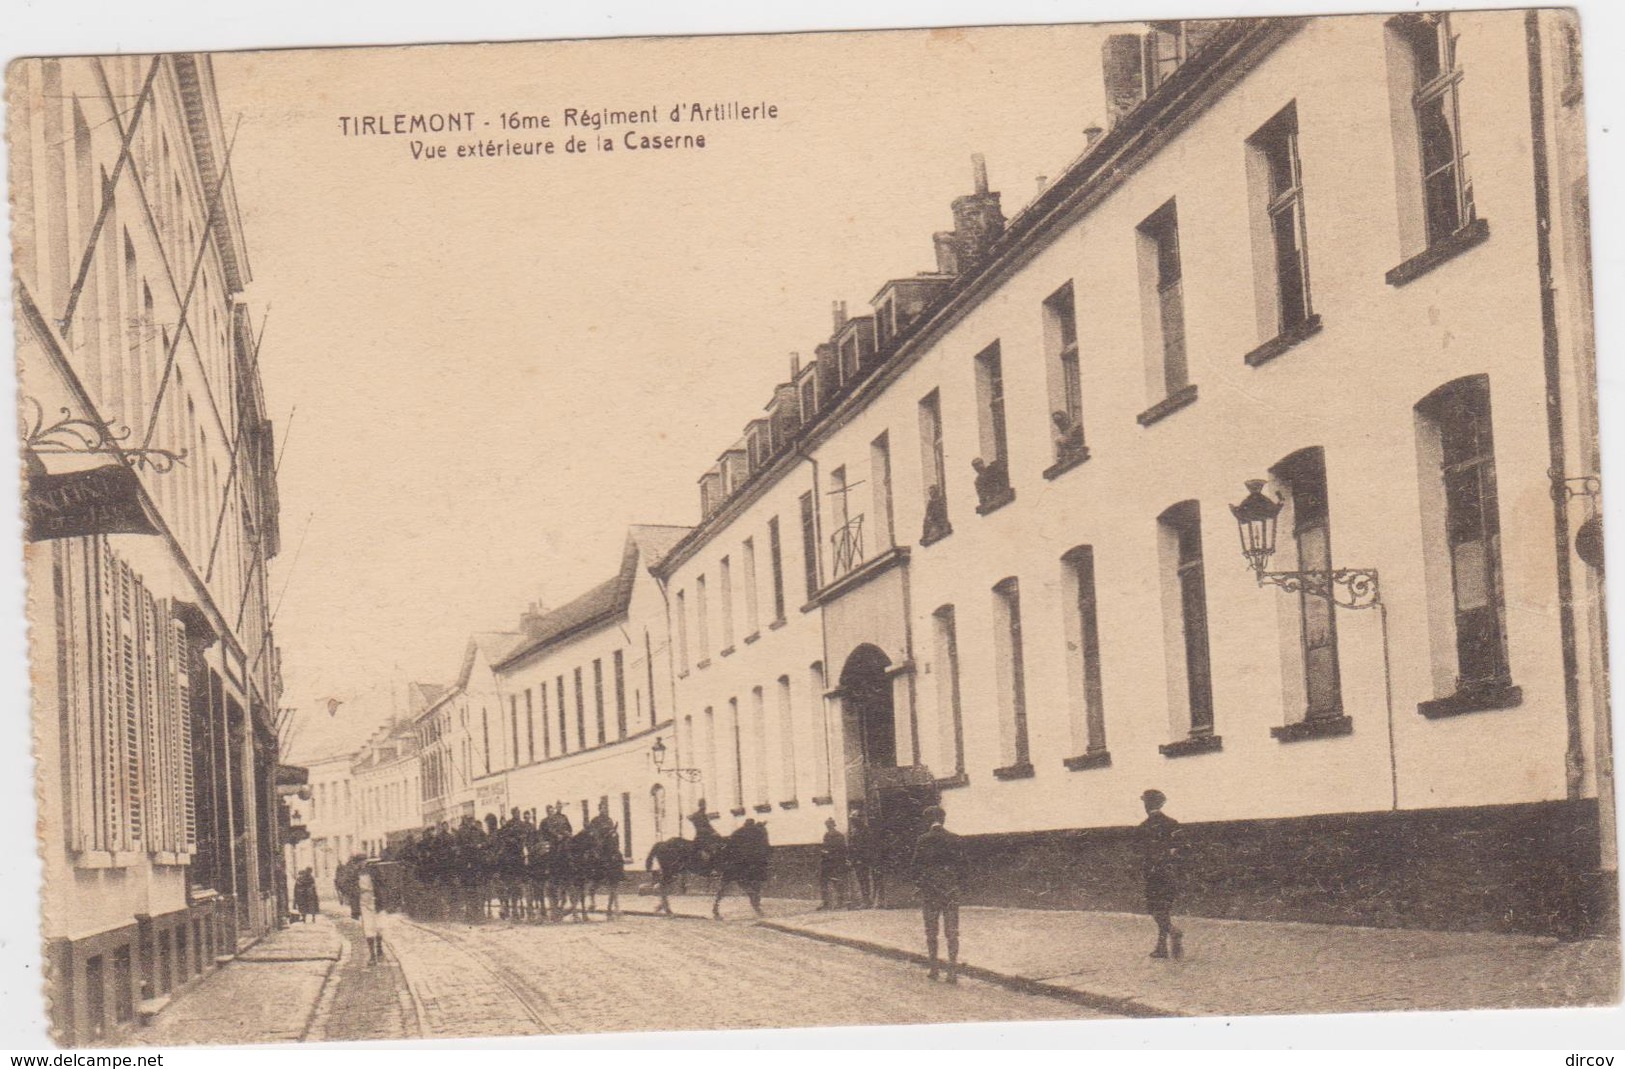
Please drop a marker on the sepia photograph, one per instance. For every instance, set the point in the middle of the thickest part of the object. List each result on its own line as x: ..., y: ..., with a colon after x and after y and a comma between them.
x: 1086, y: 522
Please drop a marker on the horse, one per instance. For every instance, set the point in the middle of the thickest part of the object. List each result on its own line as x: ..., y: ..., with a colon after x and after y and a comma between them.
x: 587, y: 863
x: 740, y: 858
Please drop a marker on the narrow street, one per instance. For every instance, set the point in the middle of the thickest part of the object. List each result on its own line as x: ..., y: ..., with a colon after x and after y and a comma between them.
x: 500, y: 979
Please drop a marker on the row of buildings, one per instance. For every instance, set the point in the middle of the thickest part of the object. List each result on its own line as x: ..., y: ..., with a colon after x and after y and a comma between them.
x: 1315, y: 276
x: 151, y: 513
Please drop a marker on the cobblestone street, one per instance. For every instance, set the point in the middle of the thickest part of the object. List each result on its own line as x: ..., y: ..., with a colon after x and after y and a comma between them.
x: 502, y: 979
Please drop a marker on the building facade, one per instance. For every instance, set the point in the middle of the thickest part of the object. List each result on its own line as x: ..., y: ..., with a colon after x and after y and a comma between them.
x: 388, y: 787
x: 583, y: 698
x: 152, y: 516
x: 983, y: 549
x: 330, y: 818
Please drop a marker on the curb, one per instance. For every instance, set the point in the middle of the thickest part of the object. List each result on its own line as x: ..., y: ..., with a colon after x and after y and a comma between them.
x: 1124, y: 1007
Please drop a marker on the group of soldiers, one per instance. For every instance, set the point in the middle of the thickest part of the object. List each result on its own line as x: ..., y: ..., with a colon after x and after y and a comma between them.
x: 517, y: 866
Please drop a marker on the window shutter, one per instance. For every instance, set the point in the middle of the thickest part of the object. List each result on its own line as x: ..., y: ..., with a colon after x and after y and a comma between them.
x: 186, y: 784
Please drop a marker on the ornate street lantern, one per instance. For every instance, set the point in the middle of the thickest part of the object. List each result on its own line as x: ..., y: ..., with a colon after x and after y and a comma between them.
x: 658, y: 753
x: 1255, y: 521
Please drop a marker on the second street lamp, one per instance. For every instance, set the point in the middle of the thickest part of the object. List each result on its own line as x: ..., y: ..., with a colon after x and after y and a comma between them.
x: 1256, y: 515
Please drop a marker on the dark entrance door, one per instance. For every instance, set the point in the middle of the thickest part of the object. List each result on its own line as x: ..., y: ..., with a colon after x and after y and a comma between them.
x: 866, y: 696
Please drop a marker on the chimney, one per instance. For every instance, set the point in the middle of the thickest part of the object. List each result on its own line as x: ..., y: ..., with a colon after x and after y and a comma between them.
x: 795, y: 366
x: 978, y: 220
x: 1043, y: 183
x: 838, y: 313
x: 947, y: 252
x: 1091, y: 134
x: 530, y: 621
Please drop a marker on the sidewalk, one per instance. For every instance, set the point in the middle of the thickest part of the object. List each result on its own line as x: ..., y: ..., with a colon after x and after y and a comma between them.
x: 266, y: 995
x: 1230, y: 968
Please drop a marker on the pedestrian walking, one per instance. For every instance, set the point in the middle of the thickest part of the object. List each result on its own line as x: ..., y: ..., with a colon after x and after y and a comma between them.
x: 939, y: 872
x: 305, y: 899
x: 1159, y: 861
x: 861, y: 851
x: 834, y: 867
x: 367, y: 896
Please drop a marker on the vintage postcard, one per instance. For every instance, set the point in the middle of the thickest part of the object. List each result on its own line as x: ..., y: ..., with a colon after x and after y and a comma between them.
x: 1030, y: 523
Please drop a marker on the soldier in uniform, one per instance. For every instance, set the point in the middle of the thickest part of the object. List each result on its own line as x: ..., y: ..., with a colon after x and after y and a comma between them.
x: 939, y: 872
x: 861, y: 850
x: 602, y: 826
x: 834, y: 867
x: 1159, y: 858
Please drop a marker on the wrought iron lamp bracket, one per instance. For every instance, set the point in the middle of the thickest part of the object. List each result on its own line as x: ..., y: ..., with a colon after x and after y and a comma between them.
x: 71, y: 435
x: 1347, y: 588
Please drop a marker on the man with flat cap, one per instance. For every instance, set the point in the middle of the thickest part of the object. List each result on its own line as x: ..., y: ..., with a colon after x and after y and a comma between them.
x: 939, y: 872
x: 1159, y: 858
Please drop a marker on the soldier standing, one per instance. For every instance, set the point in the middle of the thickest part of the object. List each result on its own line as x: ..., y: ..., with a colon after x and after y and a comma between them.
x: 1159, y: 857
x: 939, y: 872
x: 834, y: 867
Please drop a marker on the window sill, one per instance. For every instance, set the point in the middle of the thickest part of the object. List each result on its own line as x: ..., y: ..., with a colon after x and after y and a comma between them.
x: 754, y: 636
x: 1020, y: 770
x: 823, y: 799
x: 948, y: 783
x: 763, y: 807
x: 1196, y: 744
x: 791, y: 804
x: 702, y: 664
x: 1313, y: 727
x: 996, y: 501
x: 776, y: 624
x: 1481, y: 699
x: 1180, y: 398
x: 931, y: 538
x: 1085, y: 761
x: 1283, y: 341
x: 737, y: 811
x: 1066, y: 463
x: 726, y: 651
x: 1443, y: 251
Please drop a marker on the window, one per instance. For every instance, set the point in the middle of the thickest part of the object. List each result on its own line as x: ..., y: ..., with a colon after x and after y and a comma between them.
x: 682, y: 632
x: 530, y: 725
x: 787, y: 740
x: 818, y: 722
x: 485, y: 733
x: 1304, y: 476
x: 758, y: 738
x: 1007, y: 654
x: 1162, y: 281
x: 1429, y: 51
x: 933, y: 470
x: 1083, y: 659
x: 1066, y: 377
x: 1185, y: 616
x: 950, y: 719
x: 880, y: 485
x: 547, y: 731
x: 702, y: 620
x: 753, y: 624
x: 649, y: 670
x: 847, y: 541
x: 727, y: 599
x: 626, y: 823
x: 712, y: 763
x: 564, y: 718
x: 513, y: 722
x: 1462, y: 507
x: 1273, y: 154
x: 993, y: 466
x: 736, y: 765
x: 598, y: 699
x: 581, y: 712
x: 775, y: 551
x: 620, y: 694
x: 809, y: 544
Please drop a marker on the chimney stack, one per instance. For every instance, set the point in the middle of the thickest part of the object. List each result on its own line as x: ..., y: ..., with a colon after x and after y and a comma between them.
x: 795, y: 366
x: 978, y: 164
x: 1091, y: 134
x: 1043, y: 183
x: 838, y: 312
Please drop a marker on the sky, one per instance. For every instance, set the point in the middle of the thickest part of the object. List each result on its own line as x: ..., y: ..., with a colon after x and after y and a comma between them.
x: 483, y: 370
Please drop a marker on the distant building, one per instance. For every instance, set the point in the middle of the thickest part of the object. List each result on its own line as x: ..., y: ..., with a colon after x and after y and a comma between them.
x: 455, y: 733
x: 152, y: 513
x: 388, y: 789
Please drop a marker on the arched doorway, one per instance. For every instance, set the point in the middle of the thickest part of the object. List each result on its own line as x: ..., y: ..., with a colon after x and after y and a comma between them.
x: 868, y: 710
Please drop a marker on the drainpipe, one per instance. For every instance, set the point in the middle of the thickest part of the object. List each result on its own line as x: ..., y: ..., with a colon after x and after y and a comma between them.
x: 1574, y: 756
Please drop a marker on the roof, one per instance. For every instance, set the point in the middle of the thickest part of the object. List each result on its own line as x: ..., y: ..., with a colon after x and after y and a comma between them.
x: 495, y: 645
x: 422, y: 696
x: 609, y: 600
